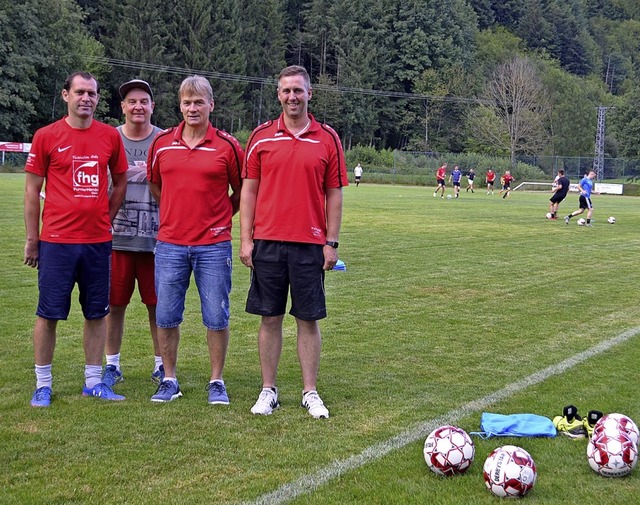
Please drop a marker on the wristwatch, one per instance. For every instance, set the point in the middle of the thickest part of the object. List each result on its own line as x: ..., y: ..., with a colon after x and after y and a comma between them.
x: 331, y: 243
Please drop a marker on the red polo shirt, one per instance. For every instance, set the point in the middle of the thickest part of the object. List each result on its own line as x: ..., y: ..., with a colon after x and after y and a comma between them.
x: 294, y: 174
x: 195, y: 208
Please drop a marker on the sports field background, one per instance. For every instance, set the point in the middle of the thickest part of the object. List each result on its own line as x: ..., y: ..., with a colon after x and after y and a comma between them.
x: 443, y: 302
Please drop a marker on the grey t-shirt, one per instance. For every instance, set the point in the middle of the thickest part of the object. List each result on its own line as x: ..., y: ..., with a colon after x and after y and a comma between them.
x: 136, y: 225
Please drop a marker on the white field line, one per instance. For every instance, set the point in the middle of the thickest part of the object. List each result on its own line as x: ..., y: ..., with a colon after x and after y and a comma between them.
x: 309, y: 483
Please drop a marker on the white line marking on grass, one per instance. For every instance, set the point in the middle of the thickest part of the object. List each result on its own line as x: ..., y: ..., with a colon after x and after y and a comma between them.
x: 309, y: 483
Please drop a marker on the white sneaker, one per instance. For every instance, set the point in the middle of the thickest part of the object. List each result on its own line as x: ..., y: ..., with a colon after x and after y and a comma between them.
x: 312, y: 402
x: 267, y: 402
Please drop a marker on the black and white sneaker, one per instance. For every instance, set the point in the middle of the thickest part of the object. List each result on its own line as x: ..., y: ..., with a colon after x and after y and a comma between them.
x: 313, y: 403
x: 267, y: 402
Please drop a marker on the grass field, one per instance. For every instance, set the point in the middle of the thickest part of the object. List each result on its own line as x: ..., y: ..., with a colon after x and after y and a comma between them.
x: 443, y: 302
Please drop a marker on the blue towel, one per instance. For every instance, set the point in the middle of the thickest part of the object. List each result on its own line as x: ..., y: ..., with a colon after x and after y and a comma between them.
x: 515, y: 425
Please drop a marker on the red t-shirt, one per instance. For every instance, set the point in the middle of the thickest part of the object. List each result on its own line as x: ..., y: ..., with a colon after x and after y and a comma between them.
x: 441, y: 173
x: 294, y: 174
x: 195, y: 208
x: 491, y: 176
x: 508, y: 179
x: 75, y: 164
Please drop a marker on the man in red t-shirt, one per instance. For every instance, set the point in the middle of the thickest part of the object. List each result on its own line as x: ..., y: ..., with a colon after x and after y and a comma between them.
x: 190, y: 170
x: 506, y: 181
x: 74, y: 155
x: 441, y: 174
x: 290, y: 217
x: 491, y: 177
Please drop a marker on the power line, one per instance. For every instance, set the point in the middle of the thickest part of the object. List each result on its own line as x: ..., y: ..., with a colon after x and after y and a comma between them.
x: 263, y: 80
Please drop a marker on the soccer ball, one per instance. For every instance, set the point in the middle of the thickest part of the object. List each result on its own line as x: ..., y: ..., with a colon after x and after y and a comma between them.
x: 509, y: 471
x: 448, y: 450
x: 614, y: 423
x: 449, y: 197
x: 549, y: 215
x: 612, y: 454
x: 581, y: 222
x: 611, y: 220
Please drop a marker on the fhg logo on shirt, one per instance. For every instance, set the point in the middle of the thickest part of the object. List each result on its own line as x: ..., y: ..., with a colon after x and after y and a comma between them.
x: 85, y: 174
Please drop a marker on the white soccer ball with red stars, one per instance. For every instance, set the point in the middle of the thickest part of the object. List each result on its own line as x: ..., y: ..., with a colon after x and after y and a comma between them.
x: 613, y: 423
x: 448, y: 450
x: 509, y: 471
x: 612, y: 454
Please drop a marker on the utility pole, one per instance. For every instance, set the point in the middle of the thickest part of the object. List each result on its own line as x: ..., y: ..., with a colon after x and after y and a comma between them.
x: 598, y: 160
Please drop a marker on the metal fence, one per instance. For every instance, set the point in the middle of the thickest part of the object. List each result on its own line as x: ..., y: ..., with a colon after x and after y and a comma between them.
x: 614, y: 168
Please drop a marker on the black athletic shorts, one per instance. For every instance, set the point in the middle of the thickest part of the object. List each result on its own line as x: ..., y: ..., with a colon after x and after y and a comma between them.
x: 282, y: 266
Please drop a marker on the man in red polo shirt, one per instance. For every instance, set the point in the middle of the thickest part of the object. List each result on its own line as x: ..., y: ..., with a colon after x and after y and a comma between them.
x: 290, y: 217
x: 74, y: 155
x: 190, y: 170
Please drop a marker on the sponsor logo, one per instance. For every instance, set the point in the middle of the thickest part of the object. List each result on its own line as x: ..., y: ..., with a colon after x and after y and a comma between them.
x: 85, y: 174
x: 62, y: 149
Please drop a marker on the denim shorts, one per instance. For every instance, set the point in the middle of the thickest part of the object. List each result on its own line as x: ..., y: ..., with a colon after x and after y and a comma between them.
x: 211, y: 267
x: 61, y: 266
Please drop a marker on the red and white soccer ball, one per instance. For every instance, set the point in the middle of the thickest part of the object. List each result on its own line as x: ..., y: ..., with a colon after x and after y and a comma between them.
x: 448, y: 450
x: 612, y: 454
x: 548, y: 215
x: 613, y: 423
x: 509, y: 471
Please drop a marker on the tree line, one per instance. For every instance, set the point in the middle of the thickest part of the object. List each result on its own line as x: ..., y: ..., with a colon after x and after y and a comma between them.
x: 500, y: 77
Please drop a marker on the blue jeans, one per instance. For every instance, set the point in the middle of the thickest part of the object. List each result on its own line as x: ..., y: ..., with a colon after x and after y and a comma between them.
x: 211, y: 266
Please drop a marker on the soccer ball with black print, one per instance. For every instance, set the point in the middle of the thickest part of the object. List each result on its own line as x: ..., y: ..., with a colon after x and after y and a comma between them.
x: 614, y: 423
x: 509, y: 471
x: 611, y: 220
x: 612, y: 454
x: 448, y: 450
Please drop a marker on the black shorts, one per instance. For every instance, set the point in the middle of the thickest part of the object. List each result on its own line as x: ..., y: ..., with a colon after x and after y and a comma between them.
x: 440, y: 182
x: 456, y: 183
x: 282, y: 266
x: 557, y: 197
x: 585, y: 203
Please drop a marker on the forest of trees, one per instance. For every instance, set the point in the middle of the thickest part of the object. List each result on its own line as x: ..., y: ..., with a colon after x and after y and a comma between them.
x: 501, y: 77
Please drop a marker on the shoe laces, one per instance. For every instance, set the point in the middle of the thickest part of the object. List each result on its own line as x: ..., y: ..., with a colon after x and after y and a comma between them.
x: 42, y: 393
x: 267, y: 396
x: 312, y: 399
x: 216, y: 386
x: 164, y: 386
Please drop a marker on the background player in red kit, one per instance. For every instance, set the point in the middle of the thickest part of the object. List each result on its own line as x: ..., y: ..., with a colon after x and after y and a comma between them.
x: 441, y: 174
x: 491, y: 177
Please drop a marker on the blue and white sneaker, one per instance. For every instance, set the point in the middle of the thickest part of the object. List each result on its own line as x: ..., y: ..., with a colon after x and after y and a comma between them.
x: 111, y: 375
x: 167, y: 391
x: 217, y: 393
x: 267, y: 402
x: 158, y: 376
x: 41, y: 397
x: 102, y: 391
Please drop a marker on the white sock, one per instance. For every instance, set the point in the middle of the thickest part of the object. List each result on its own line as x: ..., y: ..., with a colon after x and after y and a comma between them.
x: 43, y: 376
x: 158, y: 361
x: 114, y: 359
x: 171, y: 379
x: 92, y: 375
x: 217, y: 380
